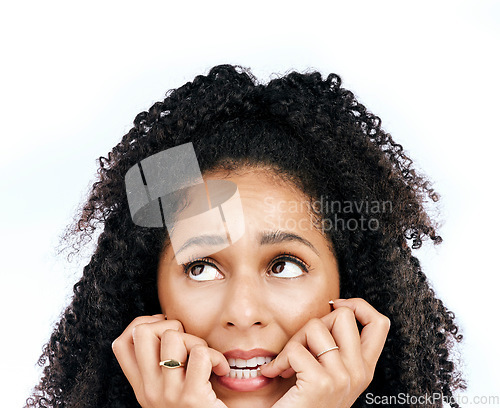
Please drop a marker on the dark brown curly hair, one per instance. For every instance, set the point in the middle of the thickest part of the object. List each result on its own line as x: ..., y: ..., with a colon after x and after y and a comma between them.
x: 313, y: 132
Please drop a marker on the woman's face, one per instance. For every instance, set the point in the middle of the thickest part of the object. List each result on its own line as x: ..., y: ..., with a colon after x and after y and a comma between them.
x: 249, y: 299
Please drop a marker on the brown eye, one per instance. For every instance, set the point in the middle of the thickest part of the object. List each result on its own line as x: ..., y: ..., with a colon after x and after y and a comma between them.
x: 197, y: 270
x: 289, y: 268
x: 278, y: 267
x: 203, y: 271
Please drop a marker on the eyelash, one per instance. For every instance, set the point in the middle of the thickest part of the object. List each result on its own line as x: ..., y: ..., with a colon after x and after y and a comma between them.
x: 193, y: 262
x: 286, y: 256
x: 282, y: 256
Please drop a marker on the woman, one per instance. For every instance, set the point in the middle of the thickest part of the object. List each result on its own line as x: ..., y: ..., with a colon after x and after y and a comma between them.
x: 324, y: 203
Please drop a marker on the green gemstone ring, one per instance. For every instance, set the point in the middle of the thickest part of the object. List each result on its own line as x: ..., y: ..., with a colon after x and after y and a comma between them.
x: 171, y: 364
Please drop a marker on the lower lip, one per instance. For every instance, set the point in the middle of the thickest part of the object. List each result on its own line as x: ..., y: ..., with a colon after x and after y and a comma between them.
x: 244, y: 384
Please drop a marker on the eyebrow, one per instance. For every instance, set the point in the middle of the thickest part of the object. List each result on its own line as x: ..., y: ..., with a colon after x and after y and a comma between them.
x: 266, y: 238
x: 202, y: 240
x: 278, y: 237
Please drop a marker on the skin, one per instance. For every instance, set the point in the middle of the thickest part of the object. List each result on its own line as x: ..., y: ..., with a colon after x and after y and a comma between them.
x: 250, y: 298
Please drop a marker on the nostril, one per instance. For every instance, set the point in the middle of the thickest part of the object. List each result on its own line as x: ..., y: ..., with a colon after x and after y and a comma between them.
x: 232, y: 324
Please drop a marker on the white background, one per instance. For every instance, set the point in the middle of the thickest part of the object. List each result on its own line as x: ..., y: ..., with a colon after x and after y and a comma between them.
x: 74, y: 75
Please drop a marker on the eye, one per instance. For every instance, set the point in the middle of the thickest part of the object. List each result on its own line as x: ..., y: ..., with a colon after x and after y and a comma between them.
x: 202, y: 270
x: 287, y: 267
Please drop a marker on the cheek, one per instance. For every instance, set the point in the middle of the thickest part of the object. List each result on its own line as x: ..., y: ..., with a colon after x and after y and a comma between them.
x: 198, y: 314
x: 292, y: 313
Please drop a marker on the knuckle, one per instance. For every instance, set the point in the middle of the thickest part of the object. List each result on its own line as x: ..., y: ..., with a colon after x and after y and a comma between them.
x: 135, y: 335
x: 176, y: 324
x: 315, y: 324
x: 139, y: 330
x: 137, y: 320
x: 199, y: 351
x: 116, y: 345
x: 203, y: 342
x: 342, y: 381
x: 170, y: 335
x: 324, y: 383
x: 344, y: 312
x: 140, y: 320
x: 385, y: 322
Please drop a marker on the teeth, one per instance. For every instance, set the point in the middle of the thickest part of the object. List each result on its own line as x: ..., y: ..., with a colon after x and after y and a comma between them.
x: 253, y: 362
x: 239, y: 367
x: 245, y: 373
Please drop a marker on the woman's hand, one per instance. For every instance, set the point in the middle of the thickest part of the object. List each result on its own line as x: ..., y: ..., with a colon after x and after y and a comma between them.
x: 336, y: 378
x: 151, y: 339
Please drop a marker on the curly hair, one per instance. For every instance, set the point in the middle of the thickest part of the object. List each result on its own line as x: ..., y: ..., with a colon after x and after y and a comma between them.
x: 312, y: 132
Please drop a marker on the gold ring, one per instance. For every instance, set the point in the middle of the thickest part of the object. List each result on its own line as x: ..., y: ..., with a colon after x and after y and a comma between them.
x: 327, y: 350
x: 171, y: 363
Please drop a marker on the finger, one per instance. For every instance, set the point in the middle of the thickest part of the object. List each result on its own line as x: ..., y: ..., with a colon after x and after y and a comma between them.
x: 296, y: 357
x: 202, y: 361
x: 147, y: 341
x: 343, y: 327
x: 375, y: 330
x: 176, y: 346
x: 123, y: 348
x: 317, y: 338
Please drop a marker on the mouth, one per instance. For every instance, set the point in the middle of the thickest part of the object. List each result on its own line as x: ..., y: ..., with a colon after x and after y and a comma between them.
x: 244, y: 373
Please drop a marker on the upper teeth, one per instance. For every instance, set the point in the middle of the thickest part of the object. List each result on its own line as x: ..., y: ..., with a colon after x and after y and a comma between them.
x: 253, y: 362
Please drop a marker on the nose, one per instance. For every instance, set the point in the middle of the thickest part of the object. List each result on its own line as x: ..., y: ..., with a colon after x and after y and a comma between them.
x: 245, y: 305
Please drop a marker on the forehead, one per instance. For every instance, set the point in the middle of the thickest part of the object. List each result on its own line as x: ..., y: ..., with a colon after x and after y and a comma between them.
x: 263, y: 209
x: 265, y: 195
